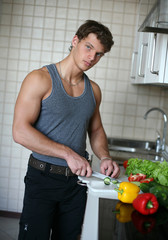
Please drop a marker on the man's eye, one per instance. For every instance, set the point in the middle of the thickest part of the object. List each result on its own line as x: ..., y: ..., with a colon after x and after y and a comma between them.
x: 88, y: 47
x: 99, y: 54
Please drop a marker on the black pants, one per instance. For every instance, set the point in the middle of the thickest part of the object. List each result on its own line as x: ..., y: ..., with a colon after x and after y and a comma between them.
x: 54, y: 206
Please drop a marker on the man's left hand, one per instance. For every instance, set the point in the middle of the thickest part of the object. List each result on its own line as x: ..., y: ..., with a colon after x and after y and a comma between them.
x: 109, y: 168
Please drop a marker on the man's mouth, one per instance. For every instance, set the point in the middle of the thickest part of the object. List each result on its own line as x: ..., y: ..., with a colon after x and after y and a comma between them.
x: 88, y: 64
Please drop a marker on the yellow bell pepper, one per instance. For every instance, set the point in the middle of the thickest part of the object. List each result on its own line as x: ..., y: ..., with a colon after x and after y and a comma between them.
x: 127, y: 192
x: 123, y: 212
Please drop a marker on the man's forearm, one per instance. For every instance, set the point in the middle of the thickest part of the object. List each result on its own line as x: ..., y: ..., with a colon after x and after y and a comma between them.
x: 99, y: 144
x: 32, y: 139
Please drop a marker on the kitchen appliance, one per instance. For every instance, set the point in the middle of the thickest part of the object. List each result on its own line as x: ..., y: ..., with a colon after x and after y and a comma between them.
x: 157, y: 19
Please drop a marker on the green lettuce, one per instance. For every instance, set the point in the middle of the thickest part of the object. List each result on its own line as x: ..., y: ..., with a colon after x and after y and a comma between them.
x: 157, y: 170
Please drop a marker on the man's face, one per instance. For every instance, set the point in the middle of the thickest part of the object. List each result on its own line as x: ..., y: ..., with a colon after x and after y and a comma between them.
x: 87, y: 52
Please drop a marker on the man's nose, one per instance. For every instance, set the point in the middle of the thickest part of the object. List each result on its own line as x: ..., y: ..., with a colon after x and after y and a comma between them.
x: 92, y: 56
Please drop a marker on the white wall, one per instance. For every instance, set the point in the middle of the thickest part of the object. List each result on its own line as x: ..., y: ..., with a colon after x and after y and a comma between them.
x: 37, y: 32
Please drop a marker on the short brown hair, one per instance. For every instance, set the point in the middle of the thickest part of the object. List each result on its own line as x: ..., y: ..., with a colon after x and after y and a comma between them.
x: 102, y: 32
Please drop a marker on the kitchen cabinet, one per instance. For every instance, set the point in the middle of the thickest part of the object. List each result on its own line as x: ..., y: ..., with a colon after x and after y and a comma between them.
x: 150, y: 55
x: 166, y: 69
x: 149, y: 62
x: 157, y: 59
x: 139, y: 58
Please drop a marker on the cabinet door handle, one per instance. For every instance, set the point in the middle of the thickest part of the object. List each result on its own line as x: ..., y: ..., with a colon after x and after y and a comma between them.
x: 132, y: 64
x: 140, y: 61
x: 153, y: 56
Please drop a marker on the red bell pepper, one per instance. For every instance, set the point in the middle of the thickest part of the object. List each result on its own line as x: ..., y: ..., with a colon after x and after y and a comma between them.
x: 125, y: 164
x: 146, y: 180
x: 144, y: 224
x: 132, y: 178
x: 137, y: 177
x: 146, y: 203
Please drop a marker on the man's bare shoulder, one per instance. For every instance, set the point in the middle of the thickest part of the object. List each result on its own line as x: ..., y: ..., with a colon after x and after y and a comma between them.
x: 38, y: 81
x: 96, y: 91
x: 94, y: 84
x: 40, y: 74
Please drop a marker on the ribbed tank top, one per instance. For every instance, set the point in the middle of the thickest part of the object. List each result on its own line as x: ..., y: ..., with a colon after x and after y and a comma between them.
x: 64, y: 118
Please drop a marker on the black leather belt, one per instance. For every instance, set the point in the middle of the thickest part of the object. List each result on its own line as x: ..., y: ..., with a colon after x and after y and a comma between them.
x: 40, y: 165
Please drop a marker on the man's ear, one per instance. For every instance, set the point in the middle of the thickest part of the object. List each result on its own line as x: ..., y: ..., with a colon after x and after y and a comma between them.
x: 75, y: 41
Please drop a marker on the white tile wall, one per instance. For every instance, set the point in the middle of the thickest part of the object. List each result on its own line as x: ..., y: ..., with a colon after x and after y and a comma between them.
x: 34, y: 33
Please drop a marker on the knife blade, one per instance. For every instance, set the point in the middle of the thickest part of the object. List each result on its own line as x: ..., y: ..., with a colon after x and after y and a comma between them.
x: 102, y: 176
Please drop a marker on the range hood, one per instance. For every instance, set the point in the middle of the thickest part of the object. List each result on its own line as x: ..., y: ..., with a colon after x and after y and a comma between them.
x: 157, y: 19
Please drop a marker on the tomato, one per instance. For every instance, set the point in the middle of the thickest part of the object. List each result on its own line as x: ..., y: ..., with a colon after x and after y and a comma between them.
x: 125, y: 163
x: 146, y: 180
x: 137, y: 177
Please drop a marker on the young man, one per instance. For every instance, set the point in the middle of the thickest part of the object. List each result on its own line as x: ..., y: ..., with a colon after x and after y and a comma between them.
x: 56, y: 107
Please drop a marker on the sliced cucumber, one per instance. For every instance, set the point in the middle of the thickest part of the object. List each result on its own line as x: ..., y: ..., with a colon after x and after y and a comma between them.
x: 114, y: 181
x: 107, y: 180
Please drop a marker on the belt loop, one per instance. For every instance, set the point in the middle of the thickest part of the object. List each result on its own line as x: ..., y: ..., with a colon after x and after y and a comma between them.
x: 47, y: 168
x: 67, y: 172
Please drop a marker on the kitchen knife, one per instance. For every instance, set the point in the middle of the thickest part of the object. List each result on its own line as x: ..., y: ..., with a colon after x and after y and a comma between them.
x: 102, y: 176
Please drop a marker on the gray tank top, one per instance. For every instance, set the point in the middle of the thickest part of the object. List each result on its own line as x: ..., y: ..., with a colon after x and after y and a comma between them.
x: 64, y: 118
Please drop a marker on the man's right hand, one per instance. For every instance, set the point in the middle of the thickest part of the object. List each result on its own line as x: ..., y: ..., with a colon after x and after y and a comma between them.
x: 79, y: 165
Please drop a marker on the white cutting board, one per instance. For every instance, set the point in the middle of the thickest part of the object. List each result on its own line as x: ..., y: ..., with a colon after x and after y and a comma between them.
x: 97, y: 185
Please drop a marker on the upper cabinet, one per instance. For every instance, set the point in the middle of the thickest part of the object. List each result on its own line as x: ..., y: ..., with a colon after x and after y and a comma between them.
x: 157, y: 59
x: 150, y: 56
x: 139, y: 59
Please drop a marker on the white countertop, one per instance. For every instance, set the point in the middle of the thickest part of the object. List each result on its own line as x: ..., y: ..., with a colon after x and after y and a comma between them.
x: 97, y: 189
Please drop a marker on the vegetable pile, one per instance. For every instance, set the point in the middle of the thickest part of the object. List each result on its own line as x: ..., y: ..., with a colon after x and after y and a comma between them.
x: 156, y: 170
x: 145, y: 203
x: 148, y: 207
